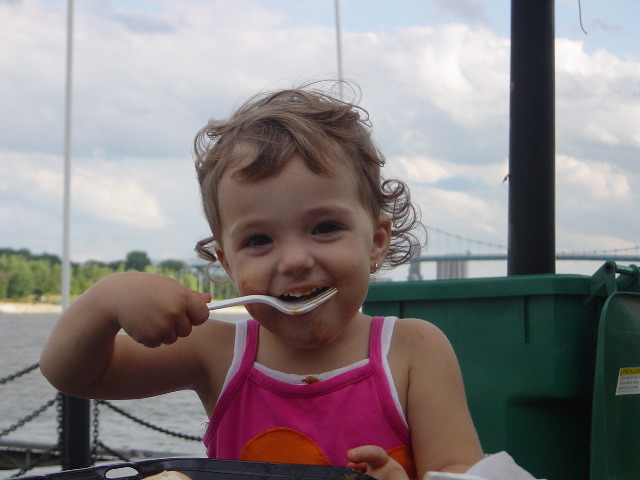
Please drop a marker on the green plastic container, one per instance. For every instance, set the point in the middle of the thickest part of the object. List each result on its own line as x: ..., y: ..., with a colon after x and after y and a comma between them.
x: 527, y: 348
x: 615, y: 433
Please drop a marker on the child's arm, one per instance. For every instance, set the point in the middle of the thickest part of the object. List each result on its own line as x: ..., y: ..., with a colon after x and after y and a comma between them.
x: 442, y: 432
x: 84, y: 356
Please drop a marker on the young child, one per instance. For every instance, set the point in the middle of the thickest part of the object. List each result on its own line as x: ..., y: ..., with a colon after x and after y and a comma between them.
x: 292, y: 190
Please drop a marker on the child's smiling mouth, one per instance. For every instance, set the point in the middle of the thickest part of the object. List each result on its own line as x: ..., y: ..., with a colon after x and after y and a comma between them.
x: 302, y: 294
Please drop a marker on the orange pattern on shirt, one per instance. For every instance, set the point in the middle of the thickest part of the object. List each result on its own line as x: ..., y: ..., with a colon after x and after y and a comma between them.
x: 283, y: 445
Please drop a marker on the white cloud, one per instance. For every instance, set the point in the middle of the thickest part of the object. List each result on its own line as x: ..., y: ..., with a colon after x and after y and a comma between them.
x: 424, y: 170
x: 575, y: 241
x: 597, y: 200
x: 598, y: 96
x: 591, y: 181
x: 99, y: 189
x: 464, y: 72
x: 146, y: 81
x: 36, y: 175
x: 108, y: 195
x: 432, y: 171
x: 461, y: 213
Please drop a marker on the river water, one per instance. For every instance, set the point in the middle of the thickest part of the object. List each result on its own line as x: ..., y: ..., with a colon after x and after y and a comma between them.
x: 21, y: 339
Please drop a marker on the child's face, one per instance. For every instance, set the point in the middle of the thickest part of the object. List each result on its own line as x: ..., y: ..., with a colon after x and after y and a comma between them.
x: 293, y: 233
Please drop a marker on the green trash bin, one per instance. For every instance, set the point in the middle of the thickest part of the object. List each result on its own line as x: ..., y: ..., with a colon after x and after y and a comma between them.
x: 526, y: 346
x: 615, y: 434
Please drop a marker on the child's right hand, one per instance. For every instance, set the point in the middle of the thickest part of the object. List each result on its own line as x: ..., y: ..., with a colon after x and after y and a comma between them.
x: 151, y: 309
x: 84, y: 356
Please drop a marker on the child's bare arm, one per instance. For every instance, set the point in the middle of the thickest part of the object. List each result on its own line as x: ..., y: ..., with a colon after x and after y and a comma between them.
x: 85, y: 356
x: 442, y: 432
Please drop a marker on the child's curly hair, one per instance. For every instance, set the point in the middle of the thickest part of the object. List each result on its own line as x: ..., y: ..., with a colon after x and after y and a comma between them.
x: 322, y: 130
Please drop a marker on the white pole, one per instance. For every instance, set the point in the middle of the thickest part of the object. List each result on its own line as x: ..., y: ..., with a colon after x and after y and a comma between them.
x: 66, y: 277
x: 339, y: 48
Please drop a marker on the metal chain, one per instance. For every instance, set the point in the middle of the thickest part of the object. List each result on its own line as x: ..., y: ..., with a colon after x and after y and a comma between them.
x: 60, y: 416
x: 19, y: 373
x: 111, y: 452
x: 43, y: 458
x: 149, y: 425
x: 27, y: 418
x: 95, y: 429
x: 96, y: 443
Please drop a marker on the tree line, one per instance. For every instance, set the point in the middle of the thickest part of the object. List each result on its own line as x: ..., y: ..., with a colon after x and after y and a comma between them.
x: 28, y: 276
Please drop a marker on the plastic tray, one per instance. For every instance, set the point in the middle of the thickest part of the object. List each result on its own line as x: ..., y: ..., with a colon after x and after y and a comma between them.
x: 208, y: 469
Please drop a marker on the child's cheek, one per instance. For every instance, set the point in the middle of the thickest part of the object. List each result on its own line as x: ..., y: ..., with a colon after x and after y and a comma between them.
x: 249, y: 286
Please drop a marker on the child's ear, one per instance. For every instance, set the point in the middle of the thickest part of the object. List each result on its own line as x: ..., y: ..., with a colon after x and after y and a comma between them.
x: 223, y: 261
x: 381, y: 240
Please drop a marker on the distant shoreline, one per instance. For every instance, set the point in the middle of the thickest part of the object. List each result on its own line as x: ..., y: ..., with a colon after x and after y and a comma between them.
x: 24, y: 307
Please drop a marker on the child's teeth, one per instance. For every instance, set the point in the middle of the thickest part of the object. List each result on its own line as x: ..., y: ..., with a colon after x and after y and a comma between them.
x: 300, y: 294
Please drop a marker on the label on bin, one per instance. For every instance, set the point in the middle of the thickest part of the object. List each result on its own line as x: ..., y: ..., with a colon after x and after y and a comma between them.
x: 628, y: 381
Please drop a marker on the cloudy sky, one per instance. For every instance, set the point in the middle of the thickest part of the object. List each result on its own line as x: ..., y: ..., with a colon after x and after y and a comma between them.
x: 434, y: 76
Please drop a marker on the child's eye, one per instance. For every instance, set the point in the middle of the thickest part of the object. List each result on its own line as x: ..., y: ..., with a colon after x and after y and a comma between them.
x: 325, y: 228
x: 257, y: 241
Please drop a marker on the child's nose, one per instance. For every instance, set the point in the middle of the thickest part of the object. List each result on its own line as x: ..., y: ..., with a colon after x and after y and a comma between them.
x: 294, y: 259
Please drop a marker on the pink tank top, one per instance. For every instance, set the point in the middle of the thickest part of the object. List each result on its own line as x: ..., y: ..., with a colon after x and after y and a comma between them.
x: 264, y: 415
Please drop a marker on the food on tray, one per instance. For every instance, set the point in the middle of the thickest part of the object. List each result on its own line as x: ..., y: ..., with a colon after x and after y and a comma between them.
x: 168, y: 475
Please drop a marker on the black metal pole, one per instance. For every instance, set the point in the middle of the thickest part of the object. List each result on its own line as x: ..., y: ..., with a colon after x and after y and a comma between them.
x: 531, y: 243
x: 76, y: 433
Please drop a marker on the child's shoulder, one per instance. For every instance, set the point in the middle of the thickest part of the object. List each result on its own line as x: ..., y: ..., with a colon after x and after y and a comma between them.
x: 415, y: 336
x: 419, y: 355
x: 212, y: 341
x: 418, y: 329
x: 212, y: 345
